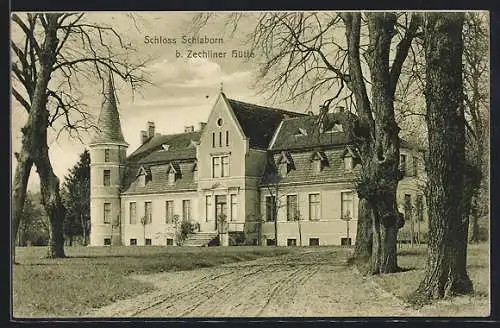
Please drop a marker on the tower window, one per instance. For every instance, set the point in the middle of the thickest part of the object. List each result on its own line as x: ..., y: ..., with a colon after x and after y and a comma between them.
x: 213, y: 139
x: 107, y: 178
x: 220, y: 139
x: 107, y: 241
x: 106, y: 155
x: 107, y: 212
x: 227, y: 138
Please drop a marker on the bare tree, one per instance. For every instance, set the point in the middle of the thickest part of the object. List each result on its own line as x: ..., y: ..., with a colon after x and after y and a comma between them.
x: 347, y: 57
x: 53, y: 52
x: 446, y: 273
x: 476, y: 91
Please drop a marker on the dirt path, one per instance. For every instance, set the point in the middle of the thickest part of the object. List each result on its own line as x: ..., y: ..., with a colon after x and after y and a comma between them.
x: 308, y: 284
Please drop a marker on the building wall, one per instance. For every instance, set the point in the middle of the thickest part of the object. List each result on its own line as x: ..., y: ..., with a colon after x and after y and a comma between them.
x: 330, y: 228
x: 158, y: 230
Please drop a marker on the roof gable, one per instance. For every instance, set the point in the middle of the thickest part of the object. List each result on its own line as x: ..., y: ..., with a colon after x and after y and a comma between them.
x: 258, y: 122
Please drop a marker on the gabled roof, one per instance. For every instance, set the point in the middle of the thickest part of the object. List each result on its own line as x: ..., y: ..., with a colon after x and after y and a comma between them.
x: 259, y: 122
x: 287, y: 138
x: 180, y: 148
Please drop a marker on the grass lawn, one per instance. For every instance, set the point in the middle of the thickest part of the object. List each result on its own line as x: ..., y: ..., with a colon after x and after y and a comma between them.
x: 404, y: 283
x: 93, y: 277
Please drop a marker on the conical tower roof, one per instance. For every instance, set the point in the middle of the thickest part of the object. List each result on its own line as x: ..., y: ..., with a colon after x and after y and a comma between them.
x: 109, y: 127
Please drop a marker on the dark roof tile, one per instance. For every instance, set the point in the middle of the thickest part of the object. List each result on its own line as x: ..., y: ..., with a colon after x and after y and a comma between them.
x: 259, y: 122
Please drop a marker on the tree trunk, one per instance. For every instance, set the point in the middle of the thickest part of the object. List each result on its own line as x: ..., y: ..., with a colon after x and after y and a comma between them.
x: 446, y: 273
x: 38, y: 140
x: 20, y: 184
x: 474, y: 229
x: 84, y: 232
x: 363, y: 245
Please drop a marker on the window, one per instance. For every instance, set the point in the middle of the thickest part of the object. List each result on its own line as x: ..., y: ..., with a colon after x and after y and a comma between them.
x: 133, y: 212
x: 148, y: 242
x: 283, y: 167
x: 415, y: 166
x: 270, y: 242
x: 345, y: 241
x: 225, y: 166
x: 348, y: 163
x: 107, y: 212
x: 148, y: 212
x: 402, y: 163
x: 213, y: 139
x: 291, y: 207
x: 291, y: 242
x: 186, y: 210
x: 220, y: 166
x: 220, y: 139
x: 170, y: 242
x: 407, y: 206
x: 270, y: 200
x: 208, y: 207
x: 346, y: 204
x: 107, y: 178
x: 107, y: 241
x: 234, y: 207
x: 227, y: 138
x: 219, y: 122
x: 419, y: 205
x: 171, y: 177
x: 216, y: 167
x: 314, y: 207
x: 106, y: 155
x: 169, y: 211
x: 133, y: 242
x: 313, y: 241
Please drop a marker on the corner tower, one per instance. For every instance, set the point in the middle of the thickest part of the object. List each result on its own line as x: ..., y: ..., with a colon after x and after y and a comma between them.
x: 108, y: 151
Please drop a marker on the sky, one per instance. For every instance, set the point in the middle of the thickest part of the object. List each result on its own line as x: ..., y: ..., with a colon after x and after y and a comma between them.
x: 182, y: 92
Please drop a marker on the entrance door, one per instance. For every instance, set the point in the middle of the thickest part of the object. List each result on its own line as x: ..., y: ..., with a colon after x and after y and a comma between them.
x: 220, y: 207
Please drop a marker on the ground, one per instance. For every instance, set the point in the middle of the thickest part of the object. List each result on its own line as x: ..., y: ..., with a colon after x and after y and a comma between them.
x: 287, y: 282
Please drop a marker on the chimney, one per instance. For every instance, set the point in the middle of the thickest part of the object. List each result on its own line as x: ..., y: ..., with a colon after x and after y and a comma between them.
x: 151, y: 129
x: 203, y: 125
x: 144, y: 137
x: 189, y: 128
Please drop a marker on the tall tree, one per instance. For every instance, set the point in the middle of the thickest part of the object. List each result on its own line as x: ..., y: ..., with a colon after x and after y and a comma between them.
x: 76, y: 198
x: 51, y: 53
x: 447, y: 246
x: 34, y: 227
x: 305, y: 55
x: 476, y: 90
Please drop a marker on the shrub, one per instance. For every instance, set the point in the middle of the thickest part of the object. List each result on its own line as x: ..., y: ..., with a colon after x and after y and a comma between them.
x: 236, y: 238
x: 186, y: 229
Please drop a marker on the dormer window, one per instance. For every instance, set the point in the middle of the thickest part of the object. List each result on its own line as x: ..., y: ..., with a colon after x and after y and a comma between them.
x: 143, y: 176
x: 171, y: 177
x: 301, y: 132
x: 283, y: 167
x: 284, y: 163
x: 165, y: 147
x: 173, y: 173
x: 335, y: 128
x: 348, y: 163
x: 319, y: 160
x: 350, y: 158
x: 195, y: 171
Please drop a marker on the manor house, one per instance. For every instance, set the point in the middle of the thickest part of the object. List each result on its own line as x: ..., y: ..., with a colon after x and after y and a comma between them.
x: 248, y: 163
